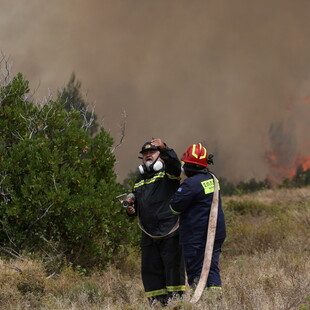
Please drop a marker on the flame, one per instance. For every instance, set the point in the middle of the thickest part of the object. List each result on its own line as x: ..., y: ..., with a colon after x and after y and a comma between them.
x: 282, y: 153
x: 280, y: 171
x: 303, y: 162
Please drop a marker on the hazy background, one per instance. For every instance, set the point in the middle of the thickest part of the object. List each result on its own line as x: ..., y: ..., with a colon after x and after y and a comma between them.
x: 232, y: 74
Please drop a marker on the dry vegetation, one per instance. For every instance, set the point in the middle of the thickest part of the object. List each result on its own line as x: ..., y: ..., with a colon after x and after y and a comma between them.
x: 265, y: 265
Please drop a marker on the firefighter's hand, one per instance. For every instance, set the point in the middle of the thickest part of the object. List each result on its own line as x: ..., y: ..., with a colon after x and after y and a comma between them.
x: 131, y: 210
x: 158, y: 142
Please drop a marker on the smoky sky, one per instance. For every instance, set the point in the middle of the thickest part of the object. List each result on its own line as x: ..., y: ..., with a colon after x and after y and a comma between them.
x: 217, y: 72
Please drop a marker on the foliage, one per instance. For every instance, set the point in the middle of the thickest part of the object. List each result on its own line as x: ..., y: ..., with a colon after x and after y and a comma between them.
x: 256, y: 226
x: 264, y: 265
x: 251, y: 207
x: 241, y: 188
x: 72, y: 98
x: 129, y: 182
x: 301, y: 178
x: 57, y: 183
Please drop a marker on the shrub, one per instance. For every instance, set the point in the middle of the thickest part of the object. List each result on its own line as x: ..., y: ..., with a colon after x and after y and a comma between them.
x: 30, y: 283
x: 251, y: 207
x: 242, y: 187
x: 57, y: 183
x: 86, y: 290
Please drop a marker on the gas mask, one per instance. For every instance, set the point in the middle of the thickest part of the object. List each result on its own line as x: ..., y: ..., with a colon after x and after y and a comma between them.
x: 148, y: 166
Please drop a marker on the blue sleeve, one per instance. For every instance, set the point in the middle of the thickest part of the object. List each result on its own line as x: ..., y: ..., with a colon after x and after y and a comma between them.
x: 182, y: 198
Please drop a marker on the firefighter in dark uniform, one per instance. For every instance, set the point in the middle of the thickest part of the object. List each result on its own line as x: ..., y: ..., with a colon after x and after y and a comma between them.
x: 162, y: 269
x: 192, y: 202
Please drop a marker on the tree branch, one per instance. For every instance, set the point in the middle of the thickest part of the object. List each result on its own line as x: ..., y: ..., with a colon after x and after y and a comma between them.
x: 122, y: 130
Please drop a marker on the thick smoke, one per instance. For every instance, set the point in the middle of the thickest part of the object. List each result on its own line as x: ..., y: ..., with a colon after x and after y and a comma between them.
x: 221, y: 72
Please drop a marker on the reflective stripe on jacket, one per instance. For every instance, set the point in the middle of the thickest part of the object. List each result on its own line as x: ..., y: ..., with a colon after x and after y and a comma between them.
x: 153, y: 192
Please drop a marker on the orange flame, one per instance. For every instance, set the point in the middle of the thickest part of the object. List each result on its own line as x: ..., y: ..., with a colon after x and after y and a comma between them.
x: 303, y: 161
x: 281, y: 171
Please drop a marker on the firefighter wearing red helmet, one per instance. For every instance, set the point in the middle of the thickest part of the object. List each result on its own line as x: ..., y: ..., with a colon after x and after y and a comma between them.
x: 192, y: 202
x: 196, y: 156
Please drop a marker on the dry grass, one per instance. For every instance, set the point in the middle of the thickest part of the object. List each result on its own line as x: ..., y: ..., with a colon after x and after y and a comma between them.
x: 281, y: 195
x: 265, y: 265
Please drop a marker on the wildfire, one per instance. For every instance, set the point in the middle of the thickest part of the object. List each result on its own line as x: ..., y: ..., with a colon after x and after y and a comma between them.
x: 279, y: 171
x: 303, y: 162
x: 282, y: 158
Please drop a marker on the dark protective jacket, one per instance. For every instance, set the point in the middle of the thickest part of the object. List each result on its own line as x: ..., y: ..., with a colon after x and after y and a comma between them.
x: 192, y: 202
x: 153, y: 191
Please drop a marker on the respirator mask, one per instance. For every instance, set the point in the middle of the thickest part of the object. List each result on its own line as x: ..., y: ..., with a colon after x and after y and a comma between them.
x: 148, y: 166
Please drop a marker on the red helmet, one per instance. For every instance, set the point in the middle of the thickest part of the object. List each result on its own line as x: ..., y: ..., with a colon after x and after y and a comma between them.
x: 196, y: 154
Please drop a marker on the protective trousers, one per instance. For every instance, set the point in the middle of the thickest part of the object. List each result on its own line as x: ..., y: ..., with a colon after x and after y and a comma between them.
x: 194, y: 256
x: 162, y: 269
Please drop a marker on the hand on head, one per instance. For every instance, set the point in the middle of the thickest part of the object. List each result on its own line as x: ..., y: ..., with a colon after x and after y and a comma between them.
x: 158, y: 142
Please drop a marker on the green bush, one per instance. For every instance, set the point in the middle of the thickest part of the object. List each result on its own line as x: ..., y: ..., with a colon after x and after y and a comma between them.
x: 57, y: 183
x: 242, y: 188
x: 301, y: 179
